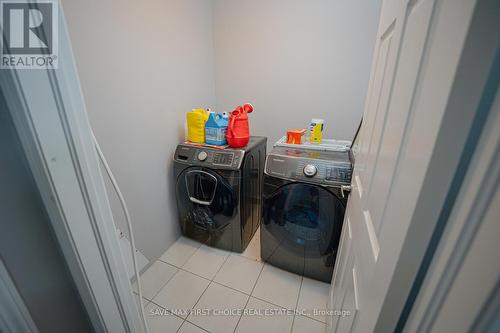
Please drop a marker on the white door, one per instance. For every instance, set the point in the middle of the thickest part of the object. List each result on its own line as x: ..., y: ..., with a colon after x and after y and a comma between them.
x: 405, y: 104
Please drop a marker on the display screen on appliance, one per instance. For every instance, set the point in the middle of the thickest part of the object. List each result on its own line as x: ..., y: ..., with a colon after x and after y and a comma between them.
x: 342, y: 174
x: 223, y: 158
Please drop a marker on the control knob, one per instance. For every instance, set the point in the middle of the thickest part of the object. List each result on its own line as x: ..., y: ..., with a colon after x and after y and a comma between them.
x: 310, y: 170
x: 202, y: 155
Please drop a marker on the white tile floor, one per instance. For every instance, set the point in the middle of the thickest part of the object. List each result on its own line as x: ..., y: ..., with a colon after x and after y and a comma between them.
x: 190, y: 278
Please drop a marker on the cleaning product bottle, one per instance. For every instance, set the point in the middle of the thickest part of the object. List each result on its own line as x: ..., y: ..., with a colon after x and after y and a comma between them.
x: 316, y: 130
x: 196, y: 119
x: 238, y: 131
x: 215, y: 129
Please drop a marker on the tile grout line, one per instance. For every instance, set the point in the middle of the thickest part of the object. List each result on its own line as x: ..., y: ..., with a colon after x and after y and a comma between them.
x: 198, y: 275
x: 204, y: 291
x: 190, y: 256
x: 203, y: 277
x: 185, y: 319
x: 178, y: 268
x: 201, y: 328
x: 230, y: 253
x: 185, y: 270
x: 260, y: 299
x: 164, y: 262
x: 297, y: 303
x: 249, y: 296
x: 208, y: 285
x: 156, y: 294
x: 225, y: 260
x: 212, y: 281
x: 309, y: 318
x: 161, y: 306
x: 228, y: 287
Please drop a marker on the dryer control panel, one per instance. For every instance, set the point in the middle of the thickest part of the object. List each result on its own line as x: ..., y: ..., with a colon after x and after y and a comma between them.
x: 209, y: 157
x: 325, y: 168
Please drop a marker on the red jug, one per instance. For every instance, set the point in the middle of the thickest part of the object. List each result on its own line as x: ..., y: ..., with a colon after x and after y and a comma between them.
x: 238, y: 131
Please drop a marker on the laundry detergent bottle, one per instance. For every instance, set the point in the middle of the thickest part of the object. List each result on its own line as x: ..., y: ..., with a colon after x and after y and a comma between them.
x: 196, y: 125
x: 238, y: 131
x: 215, y: 129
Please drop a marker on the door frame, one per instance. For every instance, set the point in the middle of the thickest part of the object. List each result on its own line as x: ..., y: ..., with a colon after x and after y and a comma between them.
x: 50, y: 118
x: 14, y: 314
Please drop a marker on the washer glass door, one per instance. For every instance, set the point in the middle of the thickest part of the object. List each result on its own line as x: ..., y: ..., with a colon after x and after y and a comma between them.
x: 206, y: 204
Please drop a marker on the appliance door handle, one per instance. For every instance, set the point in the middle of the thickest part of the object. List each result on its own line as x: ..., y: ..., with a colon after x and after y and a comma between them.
x: 198, y: 201
x: 345, y: 188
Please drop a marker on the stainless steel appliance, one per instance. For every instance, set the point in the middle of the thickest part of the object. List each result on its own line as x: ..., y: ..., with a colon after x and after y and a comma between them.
x: 304, y: 200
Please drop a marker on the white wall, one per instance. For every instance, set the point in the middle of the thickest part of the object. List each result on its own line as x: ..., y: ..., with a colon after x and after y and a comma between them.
x: 295, y: 60
x: 142, y: 65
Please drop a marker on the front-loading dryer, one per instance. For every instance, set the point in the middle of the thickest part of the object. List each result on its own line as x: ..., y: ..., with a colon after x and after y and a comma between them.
x: 219, y: 192
x: 304, y: 200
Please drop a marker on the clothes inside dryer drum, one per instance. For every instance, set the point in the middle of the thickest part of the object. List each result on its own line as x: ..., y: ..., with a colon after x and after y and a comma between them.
x: 302, y: 218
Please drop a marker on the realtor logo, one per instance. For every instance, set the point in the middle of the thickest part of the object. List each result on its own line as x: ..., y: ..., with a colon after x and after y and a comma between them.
x: 29, y: 34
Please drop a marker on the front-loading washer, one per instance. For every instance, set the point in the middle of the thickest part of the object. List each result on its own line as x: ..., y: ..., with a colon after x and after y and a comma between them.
x: 304, y: 201
x: 218, y: 192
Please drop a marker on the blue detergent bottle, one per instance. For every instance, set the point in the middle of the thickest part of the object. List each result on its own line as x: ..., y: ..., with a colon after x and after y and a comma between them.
x: 215, y: 129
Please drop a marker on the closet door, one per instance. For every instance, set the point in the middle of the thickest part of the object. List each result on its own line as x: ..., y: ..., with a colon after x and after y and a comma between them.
x: 404, y: 107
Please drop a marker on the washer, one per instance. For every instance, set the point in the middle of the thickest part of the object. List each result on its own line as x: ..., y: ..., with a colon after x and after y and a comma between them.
x: 304, y: 200
x: 219, y: 193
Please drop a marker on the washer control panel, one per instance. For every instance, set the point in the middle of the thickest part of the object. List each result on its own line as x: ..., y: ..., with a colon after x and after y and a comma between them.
x: 209, y: 157
x: 223, y: 158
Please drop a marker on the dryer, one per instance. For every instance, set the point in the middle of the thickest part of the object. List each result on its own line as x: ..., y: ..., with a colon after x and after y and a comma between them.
x: 304, y: 201
x: 219, y: 192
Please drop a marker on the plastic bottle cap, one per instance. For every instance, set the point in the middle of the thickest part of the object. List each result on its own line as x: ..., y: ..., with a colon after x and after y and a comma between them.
x: 317, y: 121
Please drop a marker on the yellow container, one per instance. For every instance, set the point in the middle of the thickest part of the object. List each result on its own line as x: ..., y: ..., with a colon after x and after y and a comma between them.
x: 196, y: 125
x: 316, y: 130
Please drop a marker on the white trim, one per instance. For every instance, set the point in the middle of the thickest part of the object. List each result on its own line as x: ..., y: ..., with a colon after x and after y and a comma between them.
x: 472, y: 72
x: 372, y: 235
x: 475, y: 201
x: 14, y: 315
x: 49, y: 115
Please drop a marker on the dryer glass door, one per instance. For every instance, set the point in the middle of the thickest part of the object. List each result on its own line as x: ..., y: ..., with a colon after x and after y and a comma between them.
x: 301, y: 229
